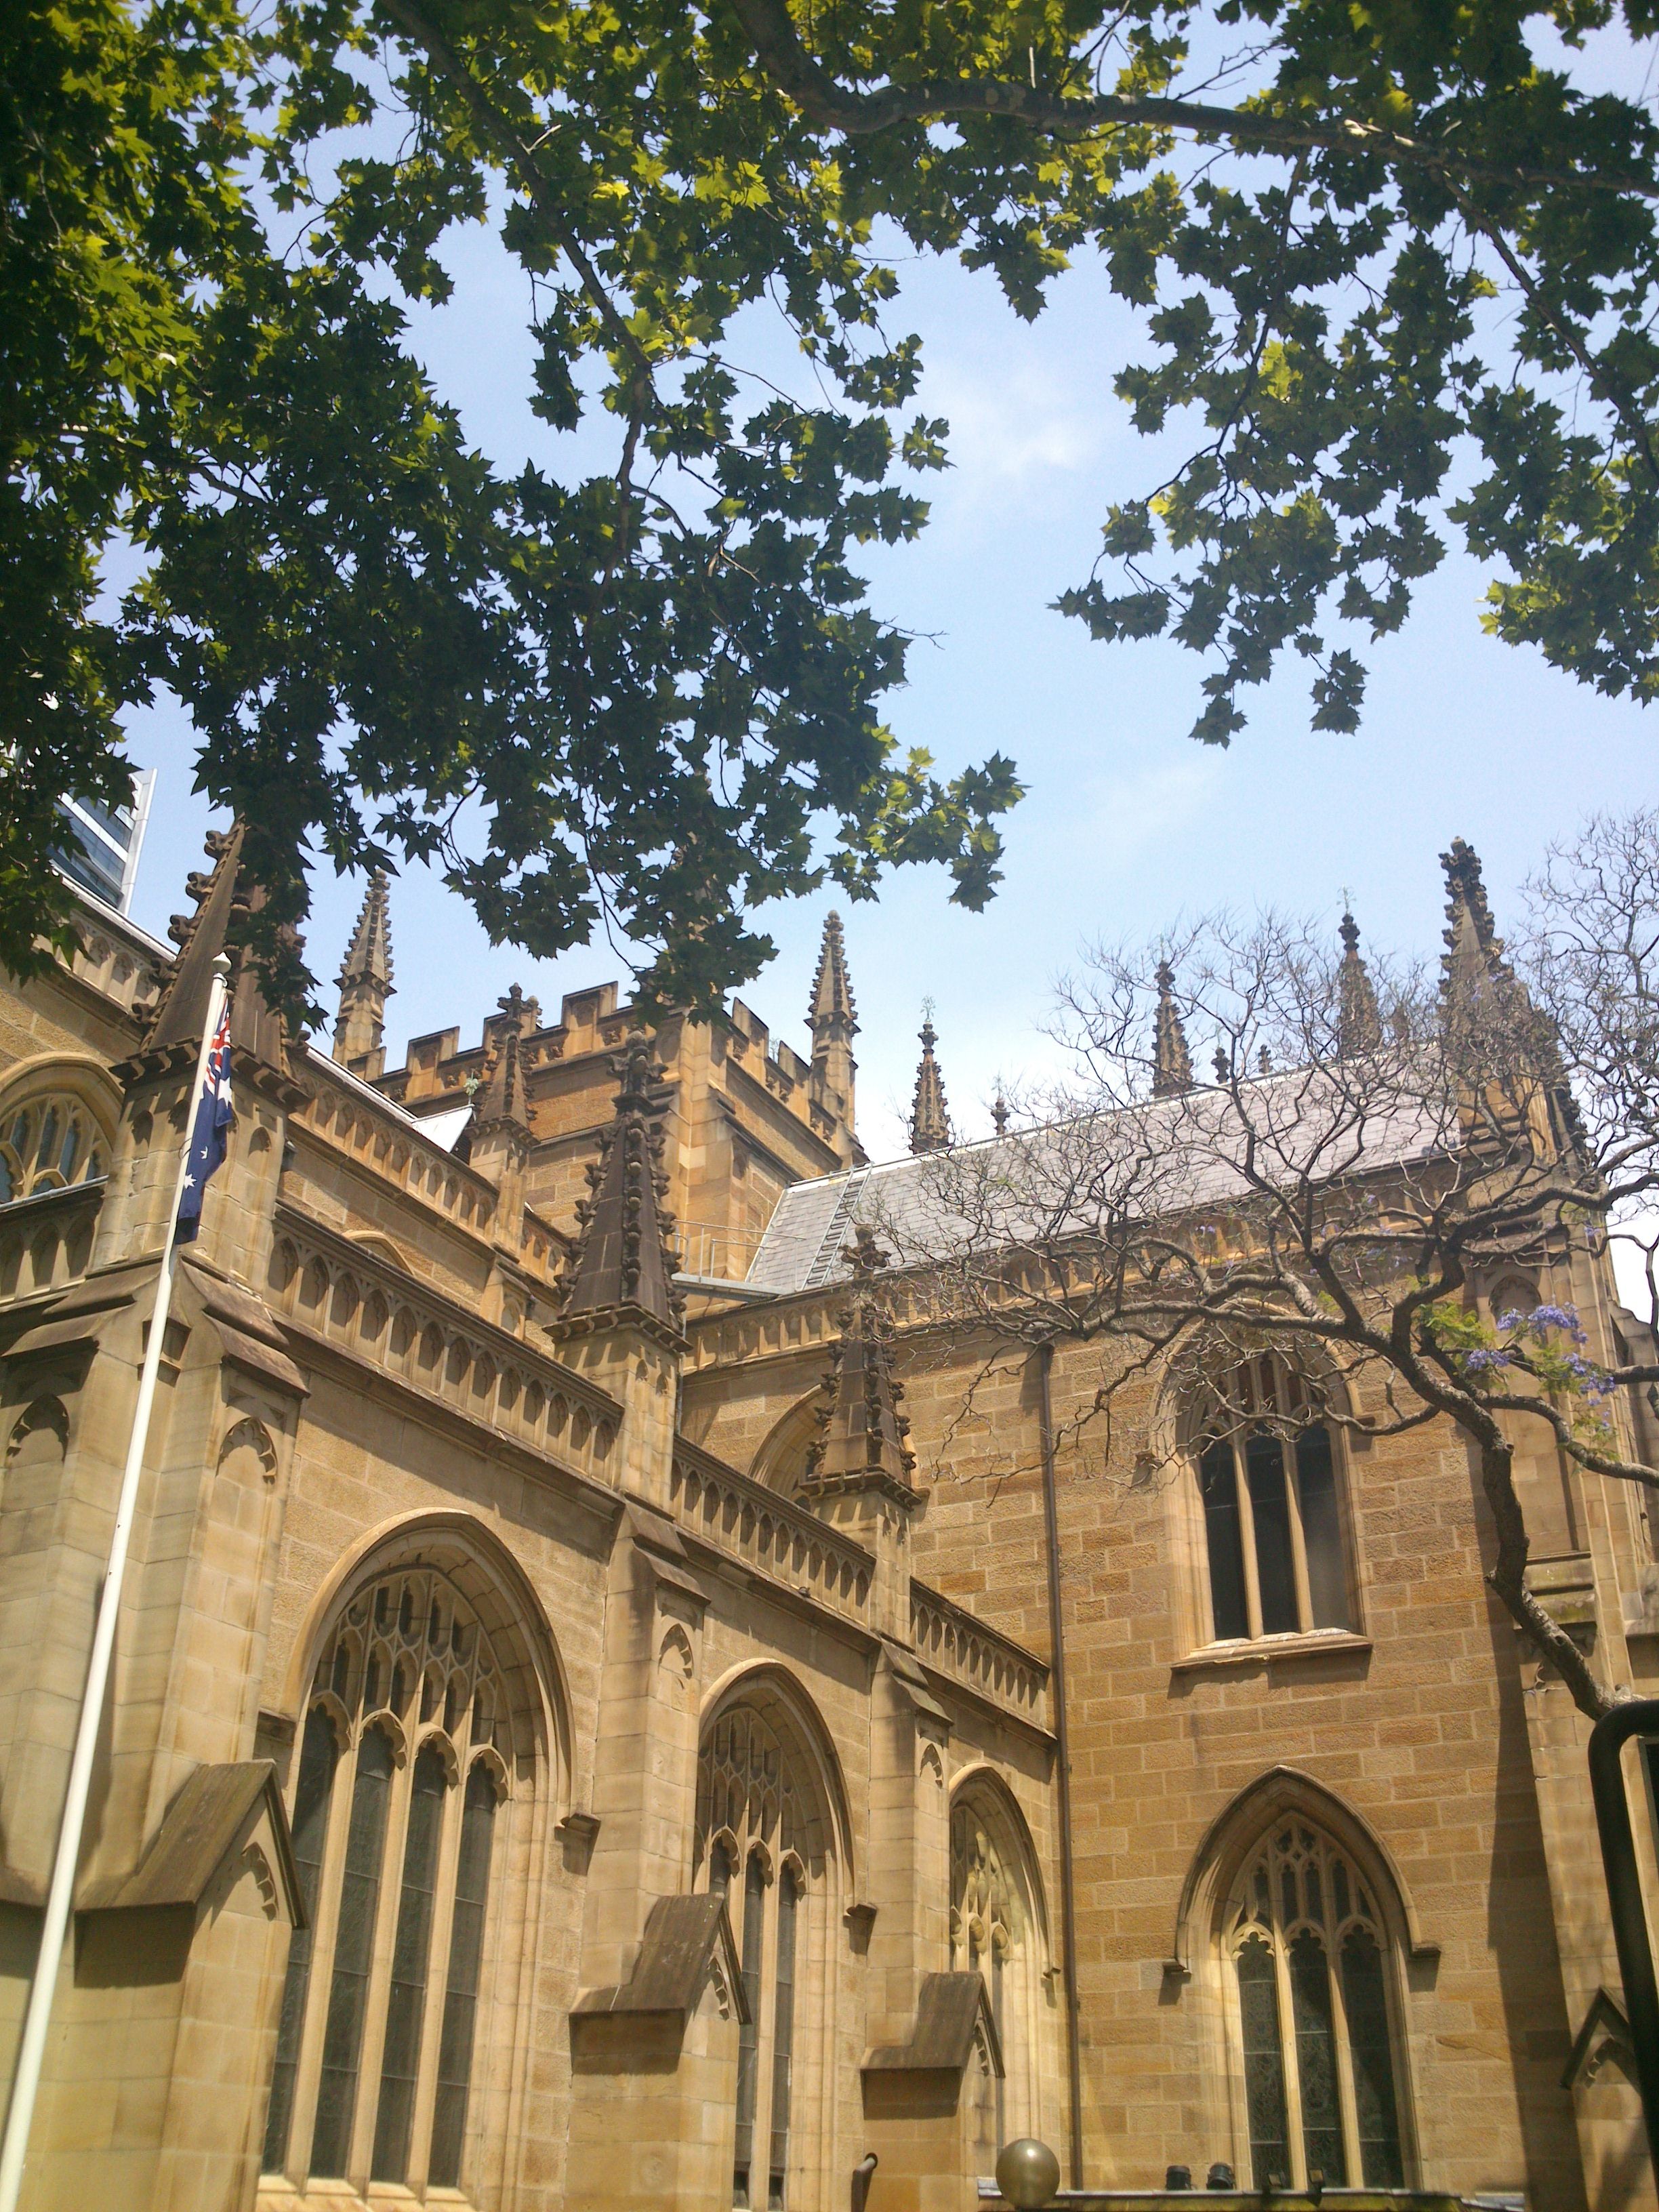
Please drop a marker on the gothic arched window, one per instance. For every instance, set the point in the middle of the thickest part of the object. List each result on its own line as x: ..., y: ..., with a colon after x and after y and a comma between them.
x: 47, y: 1143
x: 996, y: 1930
x: 1273, y: 1521
x: 404, y: 1763
x: 1309, y: 1954
x: 758, y: 1845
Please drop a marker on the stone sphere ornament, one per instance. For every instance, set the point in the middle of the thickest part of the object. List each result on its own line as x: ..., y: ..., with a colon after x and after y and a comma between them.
x: 1028, y: 2174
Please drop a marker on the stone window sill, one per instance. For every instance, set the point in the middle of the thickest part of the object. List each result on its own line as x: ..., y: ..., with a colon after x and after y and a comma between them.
x: 1263, y: 1649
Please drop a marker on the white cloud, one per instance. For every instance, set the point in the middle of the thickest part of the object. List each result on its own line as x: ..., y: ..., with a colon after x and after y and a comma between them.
x: 1012, y: 425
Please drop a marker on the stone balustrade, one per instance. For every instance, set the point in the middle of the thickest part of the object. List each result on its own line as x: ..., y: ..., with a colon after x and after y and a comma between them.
x: 332, y: 1289
x: 780, y: 1539
x: 952, y: 1640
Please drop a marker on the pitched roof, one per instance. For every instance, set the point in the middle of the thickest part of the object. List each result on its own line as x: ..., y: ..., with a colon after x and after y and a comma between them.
x: 802, y: 1246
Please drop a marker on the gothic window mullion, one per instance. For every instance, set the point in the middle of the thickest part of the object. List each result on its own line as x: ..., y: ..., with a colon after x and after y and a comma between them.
x: 437, y: 1985
x: 343, y: 2019
x: 468, y: 1934
x: 309, y: 2069
x: 405, y: 2044
x: 372, y: 2051
x: 1297, y: 2173
x: 1304, y: 1617
x: 1344, y: 2082
x: 1247, y: 1544
x: 315, y: 1793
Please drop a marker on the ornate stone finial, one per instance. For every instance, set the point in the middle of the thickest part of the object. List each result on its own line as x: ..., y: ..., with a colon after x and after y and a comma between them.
x: 1264, y: 1061
x: 365, y: 981
x: 1000, y: 1114
x: 930, y: 1121
x: 1222, y: 1061
x: 862, y: 1440
x: 623, y: 1258
x: 1172, y: 1066
x: 863, y: 1255
x: 524, y: 1014
x: 1358, y: 1025
x: 832, y: 990
x: 500, y: 1101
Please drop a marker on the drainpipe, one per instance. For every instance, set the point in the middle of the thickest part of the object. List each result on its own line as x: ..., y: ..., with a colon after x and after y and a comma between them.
x: 1063, y: 1745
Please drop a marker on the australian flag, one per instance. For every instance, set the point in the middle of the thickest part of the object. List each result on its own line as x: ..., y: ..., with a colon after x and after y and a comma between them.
x: 208, y: 1139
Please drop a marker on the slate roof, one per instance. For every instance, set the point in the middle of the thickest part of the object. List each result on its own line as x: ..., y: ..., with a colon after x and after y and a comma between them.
x: 801, y: 1248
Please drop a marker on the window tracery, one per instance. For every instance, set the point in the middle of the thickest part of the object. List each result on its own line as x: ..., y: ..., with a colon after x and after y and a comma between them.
x: 756, y: 1846
x: 403, y: 1760
x: 995, y: 1931
x: 1309, y: 1953
x: 50, y: 1142
x: 1267, y: 1482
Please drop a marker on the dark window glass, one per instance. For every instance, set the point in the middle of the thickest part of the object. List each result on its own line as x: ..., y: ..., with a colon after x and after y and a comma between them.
x: 1321, y: 1530
x: 317, y: 1754
x: 783, y: 2035
x: 754, y: 1908
x: 354, y: 1948
x: 1270, y: 1507
x: 1220, y: 1492
x: 410, y: 1948
x: 1315, y: 2059
x: 1264, y: 2063
x: 1366, y: 2004
x: 461, y: 1993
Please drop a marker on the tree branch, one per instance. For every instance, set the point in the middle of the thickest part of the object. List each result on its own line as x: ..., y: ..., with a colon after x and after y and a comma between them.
x: 831, y: 106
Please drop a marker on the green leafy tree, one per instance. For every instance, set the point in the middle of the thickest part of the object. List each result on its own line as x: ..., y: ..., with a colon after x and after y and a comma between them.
x: 1397, y: 271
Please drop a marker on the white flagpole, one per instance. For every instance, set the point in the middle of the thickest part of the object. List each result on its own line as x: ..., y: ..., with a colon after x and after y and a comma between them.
x: 60, y: 1897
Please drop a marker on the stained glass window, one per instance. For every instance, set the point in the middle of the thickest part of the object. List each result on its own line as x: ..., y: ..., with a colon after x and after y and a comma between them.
x: 1318, y: 2048
x: 752, y: 1820
x: 407, y: 1884
x: 50, y: 1144
x: 1266, y: 1478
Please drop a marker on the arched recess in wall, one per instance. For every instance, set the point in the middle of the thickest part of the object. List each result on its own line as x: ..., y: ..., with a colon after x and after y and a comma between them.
x: 432, y: 1759
x: 1000, y: 1928
x: 1295, y: 1930
x: 59, y: 1115
x: 772, y: 1835
x: 781, y: 1460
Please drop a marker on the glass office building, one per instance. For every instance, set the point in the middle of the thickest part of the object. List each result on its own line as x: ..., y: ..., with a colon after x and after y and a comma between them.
x: 102, y: 851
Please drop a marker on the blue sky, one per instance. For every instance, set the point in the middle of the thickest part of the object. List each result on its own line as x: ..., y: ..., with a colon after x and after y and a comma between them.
x: 1127, y: 824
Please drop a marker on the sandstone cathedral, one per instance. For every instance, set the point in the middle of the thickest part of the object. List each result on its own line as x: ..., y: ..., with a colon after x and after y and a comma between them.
x: 595, y: 1724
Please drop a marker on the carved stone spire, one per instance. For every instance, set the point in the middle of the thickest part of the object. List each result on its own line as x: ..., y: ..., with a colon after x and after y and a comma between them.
x: 365, y: 982
x: 1172, y: 1064
x: 224, y: 900
x: 930, y: 1121
x: 862, y: 1440
x: 1358, y: 1025
x: 832, y: 992
x: 1474, y: 951
x: 833, y: 1019
x: 624, y: 1263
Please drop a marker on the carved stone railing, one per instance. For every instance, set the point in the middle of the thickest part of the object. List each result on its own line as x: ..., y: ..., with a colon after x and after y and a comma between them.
x: 46, y: 1240
x: 337, y: 1291
x: 769, y: 1532
x: 381, y: 1137
x: 949, y: 1638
